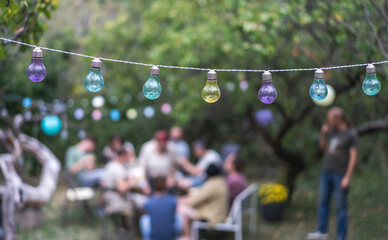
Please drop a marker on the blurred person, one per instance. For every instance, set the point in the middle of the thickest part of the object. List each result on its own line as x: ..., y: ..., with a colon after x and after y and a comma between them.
x: 181, y: 147
x: 117, y: 143
x: 208, y: 202
x: 197, y: 172
x: 339, y: 141
x: 117, y: 185
x: 161, y: 222
x: 235, y: 179
x: 80, y: 162
x: 158, y: 158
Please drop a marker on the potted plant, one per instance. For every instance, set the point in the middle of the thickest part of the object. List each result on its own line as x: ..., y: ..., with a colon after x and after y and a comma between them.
x: 273, y: 198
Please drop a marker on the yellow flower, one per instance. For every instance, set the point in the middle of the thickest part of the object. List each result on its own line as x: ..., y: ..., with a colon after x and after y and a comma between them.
x: 272, y: 193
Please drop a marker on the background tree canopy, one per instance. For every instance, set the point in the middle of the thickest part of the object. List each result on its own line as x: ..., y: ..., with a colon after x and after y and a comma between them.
x: 202, y: 33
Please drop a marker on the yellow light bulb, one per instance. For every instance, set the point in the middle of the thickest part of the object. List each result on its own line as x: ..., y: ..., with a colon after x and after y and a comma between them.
x: 211, y: 92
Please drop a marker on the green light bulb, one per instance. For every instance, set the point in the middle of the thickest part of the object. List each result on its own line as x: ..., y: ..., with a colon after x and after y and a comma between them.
x: 152, y: 88
x: 211, y: 92
x: 371, y: 85
x: 94, y: 81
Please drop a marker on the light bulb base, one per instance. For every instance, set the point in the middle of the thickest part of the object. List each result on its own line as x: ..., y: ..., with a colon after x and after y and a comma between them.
x: 319, y: 74
x: 370, y: 69
x: 155, y: 71
x: 267, y: 76
x: 211, y: 75
x: 37, y: 53
x: 96, y: 63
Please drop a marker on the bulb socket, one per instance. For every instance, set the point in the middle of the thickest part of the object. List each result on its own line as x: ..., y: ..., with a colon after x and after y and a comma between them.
x: 267, y: 76
x: 96, y: 63
x: 37, y: 53
x: 211, y: 75
x: 370, y: 69
x: 319, y: 74
x: 155, y: 71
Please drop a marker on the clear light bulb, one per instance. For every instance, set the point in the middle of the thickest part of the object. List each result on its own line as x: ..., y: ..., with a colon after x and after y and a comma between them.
x: 94, y: 81
x: 211, y: 92
x: 152, y: 88
x: 371, y: 85
x: 318, y: 90
x: 267, y: 93
x: 36, y: 71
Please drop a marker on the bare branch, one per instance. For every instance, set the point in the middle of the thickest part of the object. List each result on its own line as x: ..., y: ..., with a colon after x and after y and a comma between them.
x: 375, y: 34
x: 373, y: 126
x: 381, y: 11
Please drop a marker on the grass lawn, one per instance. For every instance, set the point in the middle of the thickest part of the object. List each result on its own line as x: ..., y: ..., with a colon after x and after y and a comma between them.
x: 368, y: 214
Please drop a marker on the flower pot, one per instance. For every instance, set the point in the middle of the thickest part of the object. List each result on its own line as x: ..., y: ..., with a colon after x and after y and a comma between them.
x: 273, y: 212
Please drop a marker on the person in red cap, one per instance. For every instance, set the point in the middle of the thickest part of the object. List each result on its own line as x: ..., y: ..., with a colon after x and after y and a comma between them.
x: 159, y: 158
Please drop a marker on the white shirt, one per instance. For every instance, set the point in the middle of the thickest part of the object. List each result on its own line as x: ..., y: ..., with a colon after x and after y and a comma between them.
x: 155, y: 163
x: 113, y: 171
x: 210, y: 157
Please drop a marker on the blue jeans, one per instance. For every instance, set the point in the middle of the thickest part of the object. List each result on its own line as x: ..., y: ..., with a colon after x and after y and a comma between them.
x: 145, y: 226
x: 90, y: 178
x: 331, y: 182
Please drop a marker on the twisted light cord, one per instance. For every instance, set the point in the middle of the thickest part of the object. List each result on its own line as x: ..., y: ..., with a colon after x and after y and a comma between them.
x: 6, y: 40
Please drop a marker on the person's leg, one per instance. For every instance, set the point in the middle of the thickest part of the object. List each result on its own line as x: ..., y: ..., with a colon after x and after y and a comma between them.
x: 145, y: 226
x: 326, y: 187
x: 341, y: 207
x: 91, y: 178
x: 178, y: 225
x: 188, y: 214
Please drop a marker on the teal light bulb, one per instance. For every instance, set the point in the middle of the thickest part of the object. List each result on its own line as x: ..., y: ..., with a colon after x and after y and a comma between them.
x: 94, y: 81
x: 371, y: 85
x: 152, y: 88
x: 318, y: 90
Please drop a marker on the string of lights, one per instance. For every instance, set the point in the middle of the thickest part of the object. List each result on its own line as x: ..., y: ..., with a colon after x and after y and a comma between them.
x: 152, y: 89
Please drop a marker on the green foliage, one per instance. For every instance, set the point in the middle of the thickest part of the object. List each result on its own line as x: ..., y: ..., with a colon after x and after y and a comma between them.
x: 203, y: 33
x: 25, y: 20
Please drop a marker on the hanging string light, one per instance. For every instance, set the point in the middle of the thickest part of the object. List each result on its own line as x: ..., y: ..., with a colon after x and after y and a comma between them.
x: 371, y: 85
x: 152, y: 88
x: 318, y: 90
x: 267, y: 93
x: 211, y: 92
x: 94, y: 80
x: 36, y: 71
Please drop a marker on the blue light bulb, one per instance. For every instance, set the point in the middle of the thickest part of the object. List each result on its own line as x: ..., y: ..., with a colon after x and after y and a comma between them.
x: 318, y: 90
x: 371, y: 85
x: 94, y: 81
x: 152, y: 88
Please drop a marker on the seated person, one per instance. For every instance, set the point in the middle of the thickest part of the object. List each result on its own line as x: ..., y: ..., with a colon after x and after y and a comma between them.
x: 197, y: 172
x: 116, y: 144
x: 117, y: 184
x: 160, y: 221
x: 80, y: 162
x: 235, y: 179
x: 208, y: 202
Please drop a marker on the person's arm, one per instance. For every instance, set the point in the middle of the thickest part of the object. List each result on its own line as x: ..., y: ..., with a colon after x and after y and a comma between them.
x: 349, y: 171
x: 198, y: 196
x: 322, y: 141
x: 123, y: 185
x: 190, y: 168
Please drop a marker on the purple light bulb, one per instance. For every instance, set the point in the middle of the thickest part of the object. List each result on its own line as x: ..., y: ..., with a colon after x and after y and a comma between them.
x: 267, y: 92
x: 36, y: 71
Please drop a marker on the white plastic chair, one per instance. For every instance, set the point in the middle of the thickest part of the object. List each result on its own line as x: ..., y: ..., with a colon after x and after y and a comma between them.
x: 234, y: 221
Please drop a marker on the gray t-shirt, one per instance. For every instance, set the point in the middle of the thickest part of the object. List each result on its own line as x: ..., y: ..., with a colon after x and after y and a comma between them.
x: 113, y: 172
x: 338, y: 145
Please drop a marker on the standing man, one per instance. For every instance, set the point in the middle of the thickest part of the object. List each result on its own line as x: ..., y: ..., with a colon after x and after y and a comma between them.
x: 339, y: 141
x: 181, y: 147
x: 158, y: 158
